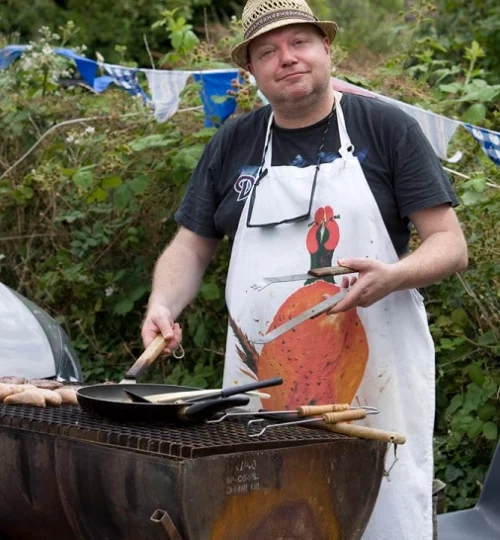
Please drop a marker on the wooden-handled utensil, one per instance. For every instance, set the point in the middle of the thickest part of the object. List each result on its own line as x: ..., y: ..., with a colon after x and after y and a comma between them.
x: 176, y: 397
x: 204, y: 394
x: 145, y: 360
x: 327, y: 418
x: 363, y: 432
x: 299, y: 412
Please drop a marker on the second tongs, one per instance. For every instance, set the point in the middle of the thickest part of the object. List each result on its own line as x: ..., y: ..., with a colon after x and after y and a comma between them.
x: 327, y: 418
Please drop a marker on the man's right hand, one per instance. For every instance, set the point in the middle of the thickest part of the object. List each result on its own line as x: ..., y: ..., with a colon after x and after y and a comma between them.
x: 159, y: 320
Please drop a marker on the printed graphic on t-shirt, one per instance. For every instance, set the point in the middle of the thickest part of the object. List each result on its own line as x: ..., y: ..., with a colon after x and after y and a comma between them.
x: 322, y: 360
x: 243, y: 186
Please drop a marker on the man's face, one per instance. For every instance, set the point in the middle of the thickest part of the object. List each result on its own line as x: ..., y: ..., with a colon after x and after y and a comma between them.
x: 291, y: 64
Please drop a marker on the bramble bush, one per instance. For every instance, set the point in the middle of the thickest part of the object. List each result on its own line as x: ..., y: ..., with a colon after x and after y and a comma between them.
x: 85, y: 213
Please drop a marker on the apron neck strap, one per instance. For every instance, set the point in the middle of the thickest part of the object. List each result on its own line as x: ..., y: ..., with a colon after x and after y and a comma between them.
x: 268, y: 152
x: 345, y: 141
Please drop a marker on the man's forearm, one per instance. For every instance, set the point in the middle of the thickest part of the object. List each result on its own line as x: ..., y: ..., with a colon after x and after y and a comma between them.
x: 439, y: 256
x: 177, y: 278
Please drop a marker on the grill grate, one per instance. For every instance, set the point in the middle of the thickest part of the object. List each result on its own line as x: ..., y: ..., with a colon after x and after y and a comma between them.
x: 172, y: 441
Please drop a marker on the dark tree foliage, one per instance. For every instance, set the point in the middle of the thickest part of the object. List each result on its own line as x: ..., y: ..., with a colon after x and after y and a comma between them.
x: 103, y: 26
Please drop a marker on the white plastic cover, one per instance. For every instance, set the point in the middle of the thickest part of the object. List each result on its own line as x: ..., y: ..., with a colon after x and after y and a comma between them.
x: 24, y: 347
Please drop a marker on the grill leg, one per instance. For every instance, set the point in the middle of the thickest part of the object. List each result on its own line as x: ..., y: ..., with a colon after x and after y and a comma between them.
x: 162, y: 517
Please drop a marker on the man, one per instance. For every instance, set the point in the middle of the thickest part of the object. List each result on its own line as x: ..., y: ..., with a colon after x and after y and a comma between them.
x: 313, y: 178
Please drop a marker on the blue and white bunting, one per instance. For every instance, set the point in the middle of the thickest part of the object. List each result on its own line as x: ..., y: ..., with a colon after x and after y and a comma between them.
x: 166, y: 86
x: 489, y: 141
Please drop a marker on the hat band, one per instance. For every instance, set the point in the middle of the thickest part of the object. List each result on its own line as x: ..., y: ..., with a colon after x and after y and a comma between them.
x: 276, y: 16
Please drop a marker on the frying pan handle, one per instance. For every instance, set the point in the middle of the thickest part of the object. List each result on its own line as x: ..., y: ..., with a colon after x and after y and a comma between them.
x: 204, y: 409
x: 331, y: 271
x: 242, y: 388
x: 147, y: 357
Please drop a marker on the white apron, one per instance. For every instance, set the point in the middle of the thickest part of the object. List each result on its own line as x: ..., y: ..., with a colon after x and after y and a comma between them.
x: 381, y: 356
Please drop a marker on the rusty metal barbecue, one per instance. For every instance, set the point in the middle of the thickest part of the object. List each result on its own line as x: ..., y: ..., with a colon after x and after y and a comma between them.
x: 68, y: 475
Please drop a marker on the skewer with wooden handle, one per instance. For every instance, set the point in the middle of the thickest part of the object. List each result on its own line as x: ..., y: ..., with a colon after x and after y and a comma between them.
x: 363, y: 432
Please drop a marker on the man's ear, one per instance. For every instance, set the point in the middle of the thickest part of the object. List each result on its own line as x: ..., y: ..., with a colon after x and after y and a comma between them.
x: 249, y: 67
x: 326, y: 45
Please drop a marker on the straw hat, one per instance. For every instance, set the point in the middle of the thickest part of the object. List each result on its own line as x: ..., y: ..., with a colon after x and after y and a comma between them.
x: 261, y: 16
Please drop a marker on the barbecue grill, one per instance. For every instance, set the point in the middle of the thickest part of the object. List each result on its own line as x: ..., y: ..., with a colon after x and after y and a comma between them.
x: 67, y: 475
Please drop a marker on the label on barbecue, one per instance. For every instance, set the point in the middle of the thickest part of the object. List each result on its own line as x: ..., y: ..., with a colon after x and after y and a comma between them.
x: 242, y: 477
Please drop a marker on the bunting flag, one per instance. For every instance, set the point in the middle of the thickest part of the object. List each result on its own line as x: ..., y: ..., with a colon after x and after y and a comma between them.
x: 216, y: 83
x: 489, y: 141
x: 165, y: 88
x: 9, y: 54
x: 438, y: 129
x: 125, y: 78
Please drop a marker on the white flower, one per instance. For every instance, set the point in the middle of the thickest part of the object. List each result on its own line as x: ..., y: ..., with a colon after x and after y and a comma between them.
x: 90, y: 130
x: 2, y: 256
x: 70, y: 138
x: 47, y: 50
x: 109, y: 291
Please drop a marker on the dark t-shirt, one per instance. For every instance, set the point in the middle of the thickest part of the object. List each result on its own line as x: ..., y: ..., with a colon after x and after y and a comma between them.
x: 400, y: 166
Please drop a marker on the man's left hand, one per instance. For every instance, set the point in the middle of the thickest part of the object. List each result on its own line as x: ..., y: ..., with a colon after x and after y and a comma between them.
x: 375, y: 281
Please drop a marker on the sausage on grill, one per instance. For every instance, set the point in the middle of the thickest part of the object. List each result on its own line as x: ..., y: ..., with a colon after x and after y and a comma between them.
x: 28, y: 397
x: 68, y: 396
x: 11, y: 389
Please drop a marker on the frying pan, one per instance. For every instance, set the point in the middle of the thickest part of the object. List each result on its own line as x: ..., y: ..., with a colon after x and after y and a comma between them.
x: 111, y: 400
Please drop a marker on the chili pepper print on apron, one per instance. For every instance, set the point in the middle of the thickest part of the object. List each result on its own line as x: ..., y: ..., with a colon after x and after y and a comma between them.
x: 382, y: 355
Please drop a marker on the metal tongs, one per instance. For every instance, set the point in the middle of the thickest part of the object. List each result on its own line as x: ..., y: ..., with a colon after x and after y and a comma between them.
x: 300, y: 412
x: 319, y: 308
x: 329, y: 414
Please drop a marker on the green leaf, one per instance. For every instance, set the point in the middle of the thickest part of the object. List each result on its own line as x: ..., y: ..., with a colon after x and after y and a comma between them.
x: 122, y: 196
x: 188, y: 158
x: 469, y: 198
x: 138, y: 292
x: 123, y: 306
x: 138, y: 185
x: 452, y: 473
x: 487, y: 338
x: 199, y: 336
x: 455, y: 404
x: 453, y: 88
x: 443, y: 321
x: 475, y: 114
x: 176, y: 39
x: 98, y: 195
x: 210, y: 291
x: 490, y: 431
x: 111, y: 182
x: 473, y: 398
x: 474, y: 428
x: 84, y: 179
x: 486, y: 412
x: 190, y: 40
x: 151, y: 141
x: 459, y: 316
x: 476, y: 374
x: 484, y: 94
